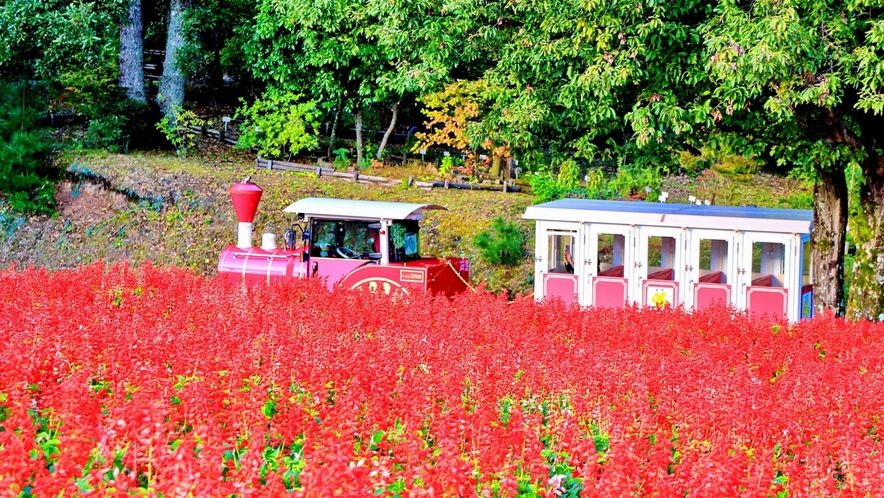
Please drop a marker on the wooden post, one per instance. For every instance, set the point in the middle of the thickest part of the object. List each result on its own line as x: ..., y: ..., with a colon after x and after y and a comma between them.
x: 410, y: 181
x: 319, y: 172
x: 356, y: 176
x: 270, y: 164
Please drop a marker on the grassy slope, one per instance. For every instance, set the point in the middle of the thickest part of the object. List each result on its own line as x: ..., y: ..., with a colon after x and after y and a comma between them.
x: 174, y: 211
x: 170, y: 211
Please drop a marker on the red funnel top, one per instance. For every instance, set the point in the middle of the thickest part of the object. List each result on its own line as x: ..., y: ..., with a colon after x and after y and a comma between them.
x: 245, y: 196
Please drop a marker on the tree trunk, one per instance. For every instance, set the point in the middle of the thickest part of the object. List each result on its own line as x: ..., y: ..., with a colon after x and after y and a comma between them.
x: 132, y: 53
x: 389, y: 130
x: 827, y: 240
x: 359, y: 138
x: 866, y: 299
x: 331, y: 138
x: 494, y: 170
x: 171, y: 94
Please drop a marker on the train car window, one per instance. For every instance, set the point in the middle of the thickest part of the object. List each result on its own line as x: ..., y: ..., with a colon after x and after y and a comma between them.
x: 611, y: 249
x: 343, y: 239
x: 806, y: 264
x: 713, y: 261
x: 661, y: 257
x: 560, y: 252
x: 768, y: 264
x: 404, y: 240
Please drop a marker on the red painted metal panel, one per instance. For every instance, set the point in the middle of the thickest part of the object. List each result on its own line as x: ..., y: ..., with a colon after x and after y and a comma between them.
x: 560, y: 286
x: 609, y: 292
x: 334, y: 270
x: 770, y: 301
x: 245, y: 197
x: 448, y: 277
x: 706, y: 294
x: 255, y: 265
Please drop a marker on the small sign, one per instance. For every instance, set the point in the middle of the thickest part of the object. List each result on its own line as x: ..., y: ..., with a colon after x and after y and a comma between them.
x: 411, y: 276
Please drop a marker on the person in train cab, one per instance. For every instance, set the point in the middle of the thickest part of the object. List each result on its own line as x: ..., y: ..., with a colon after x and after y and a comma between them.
x: 569, y: 262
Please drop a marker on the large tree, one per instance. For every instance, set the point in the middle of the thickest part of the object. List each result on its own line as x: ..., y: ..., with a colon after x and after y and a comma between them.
x: 795, y: 84
x: 132, y: 52
x: 172, y: 83
x: 815, y: 67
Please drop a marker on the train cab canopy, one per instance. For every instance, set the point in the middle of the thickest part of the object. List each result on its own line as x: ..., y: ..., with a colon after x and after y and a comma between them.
x: 613, y: 253
x: 357, y: 229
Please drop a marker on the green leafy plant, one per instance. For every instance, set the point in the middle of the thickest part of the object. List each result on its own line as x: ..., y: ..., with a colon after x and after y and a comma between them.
x: 633, y: 181
x: 545, y: 187
x: 569, y: 174
x: 449, y: 164
x: 595, y: 184
x: 180, y: 131
x: 502, y: 244
x: 278, y: 124
x: 342, y: 159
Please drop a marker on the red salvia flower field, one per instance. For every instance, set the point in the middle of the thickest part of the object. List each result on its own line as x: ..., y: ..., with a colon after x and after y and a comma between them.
x: 160, y: 382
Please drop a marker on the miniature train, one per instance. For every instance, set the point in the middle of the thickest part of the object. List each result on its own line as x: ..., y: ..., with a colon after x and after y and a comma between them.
x: 350, y: 243
x: 589, y: 252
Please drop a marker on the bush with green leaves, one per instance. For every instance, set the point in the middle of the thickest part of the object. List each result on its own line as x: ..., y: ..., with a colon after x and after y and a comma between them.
x: 25, y: 171
x: 342, y: 158
x: 114, y: 129
x: 569, y: 174
x: 278, y: 124
x: 634, y: 181
x: 546, y: 187
x: 502, y: 244
x: 113, y: 118
x: 178, y: 127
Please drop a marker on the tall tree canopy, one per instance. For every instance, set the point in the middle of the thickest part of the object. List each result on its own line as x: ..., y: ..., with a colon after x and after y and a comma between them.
x: 814, y: 70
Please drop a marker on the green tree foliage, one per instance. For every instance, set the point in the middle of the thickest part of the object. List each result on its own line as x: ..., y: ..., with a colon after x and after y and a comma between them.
x: 501, y: 244
x: 24, y: 150
x: 73, y: 47
x: 44, y: 38
x: 279, y: 124
x: 810, y: 74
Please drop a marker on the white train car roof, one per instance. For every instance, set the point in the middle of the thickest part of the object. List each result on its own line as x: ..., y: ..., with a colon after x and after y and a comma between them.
x: 319, y: 207
x: 674, y: 215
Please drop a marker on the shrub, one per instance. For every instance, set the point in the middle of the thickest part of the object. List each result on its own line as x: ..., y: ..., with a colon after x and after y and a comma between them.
x: 180, y: 131
x: 545, y: 187
x: 502, y: 244
x: 278, y: 124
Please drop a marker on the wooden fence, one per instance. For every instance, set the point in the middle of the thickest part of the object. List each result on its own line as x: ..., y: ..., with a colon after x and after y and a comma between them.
x: 319, y: 171
x: 355, y: 176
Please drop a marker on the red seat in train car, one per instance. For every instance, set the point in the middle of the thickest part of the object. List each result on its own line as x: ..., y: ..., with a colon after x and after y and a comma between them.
x: 614, y: 271
x: 712, y: 278
x: 664, y: 274
x: 763, y: 281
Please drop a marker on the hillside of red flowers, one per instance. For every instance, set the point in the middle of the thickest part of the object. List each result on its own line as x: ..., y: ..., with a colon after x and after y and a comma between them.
x: 160, y: 382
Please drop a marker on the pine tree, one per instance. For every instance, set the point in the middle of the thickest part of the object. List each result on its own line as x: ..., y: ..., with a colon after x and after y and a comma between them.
x: 25, y: 173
